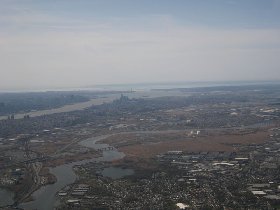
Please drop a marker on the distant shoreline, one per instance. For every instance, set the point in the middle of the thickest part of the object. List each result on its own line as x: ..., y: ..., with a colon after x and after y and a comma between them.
x: 151, y: 91
x: 142, y: 86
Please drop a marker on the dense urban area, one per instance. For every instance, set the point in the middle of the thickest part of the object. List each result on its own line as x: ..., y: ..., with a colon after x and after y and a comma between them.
x: 188, y: 148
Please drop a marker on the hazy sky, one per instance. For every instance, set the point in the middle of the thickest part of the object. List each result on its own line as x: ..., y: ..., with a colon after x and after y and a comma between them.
x: 54, y: 43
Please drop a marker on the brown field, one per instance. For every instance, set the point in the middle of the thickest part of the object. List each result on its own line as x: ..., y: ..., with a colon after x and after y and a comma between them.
x: 150, y: 145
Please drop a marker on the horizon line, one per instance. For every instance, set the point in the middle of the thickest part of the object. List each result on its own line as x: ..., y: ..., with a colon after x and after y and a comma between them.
x: 110, y: 87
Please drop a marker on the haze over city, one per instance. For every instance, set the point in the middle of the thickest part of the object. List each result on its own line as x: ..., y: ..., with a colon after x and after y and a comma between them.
x: 91, y: 42
x: 139, y: 104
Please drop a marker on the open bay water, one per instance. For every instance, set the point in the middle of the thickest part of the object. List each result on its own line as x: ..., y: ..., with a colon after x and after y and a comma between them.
x: 178, y: 85
x: 145, y: 86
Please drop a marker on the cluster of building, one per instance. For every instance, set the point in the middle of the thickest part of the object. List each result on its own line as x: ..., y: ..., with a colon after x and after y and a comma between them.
x: 248, y: 178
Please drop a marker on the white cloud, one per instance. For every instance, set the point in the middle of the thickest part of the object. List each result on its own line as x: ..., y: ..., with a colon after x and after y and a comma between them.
x: 75, y: 52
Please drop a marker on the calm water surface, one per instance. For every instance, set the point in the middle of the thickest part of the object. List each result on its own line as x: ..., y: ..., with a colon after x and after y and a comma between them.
x: 116, y: 172
x: 6, y: 197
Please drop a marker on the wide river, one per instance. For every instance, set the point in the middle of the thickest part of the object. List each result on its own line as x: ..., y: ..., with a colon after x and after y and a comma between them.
x: 45, y: 198
x: 66, y: 108
x: 96, y: 101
